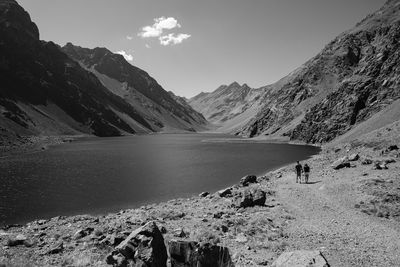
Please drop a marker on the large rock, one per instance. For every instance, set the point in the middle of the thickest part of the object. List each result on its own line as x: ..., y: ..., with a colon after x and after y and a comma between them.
x: 225, y: 192
x: 17, y: 241
x: 301, y: 258
x: 258, y: 197
x: 354, y: 157
x: 143, y: 247
x: 251, y: 198
x: 341, y: 163
x: 248, y: 179
x: 193, y: 254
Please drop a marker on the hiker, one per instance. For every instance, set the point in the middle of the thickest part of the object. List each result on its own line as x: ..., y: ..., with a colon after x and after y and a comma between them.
x: 306, y: 170
x: 299, y: 169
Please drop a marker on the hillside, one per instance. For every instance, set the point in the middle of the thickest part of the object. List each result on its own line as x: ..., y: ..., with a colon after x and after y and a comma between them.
x: 160, y: 109
x: 354, y: 77
x: 45, y: 92
x: 350, y: 87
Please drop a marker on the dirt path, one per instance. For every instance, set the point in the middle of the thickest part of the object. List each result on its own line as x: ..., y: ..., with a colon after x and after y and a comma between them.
x: 325, y: 219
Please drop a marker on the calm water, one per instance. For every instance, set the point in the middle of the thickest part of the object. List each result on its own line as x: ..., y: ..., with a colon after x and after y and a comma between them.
x: 104, y: 175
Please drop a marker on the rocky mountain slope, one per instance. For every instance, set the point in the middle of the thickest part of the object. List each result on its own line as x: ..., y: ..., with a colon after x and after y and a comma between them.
x: 160, y: 109
x: 354, y: 77
x: 229, y: 107
x: 45, y: 92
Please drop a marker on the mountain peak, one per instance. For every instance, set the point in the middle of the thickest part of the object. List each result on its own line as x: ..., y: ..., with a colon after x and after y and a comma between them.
x: 234, y: 84
x: 13, y: 16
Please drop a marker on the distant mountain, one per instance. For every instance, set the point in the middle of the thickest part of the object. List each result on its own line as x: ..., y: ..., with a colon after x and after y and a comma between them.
x: 45, y: 92
x: 351, y: 86
x: 138, y: 88
x: 229, y: 107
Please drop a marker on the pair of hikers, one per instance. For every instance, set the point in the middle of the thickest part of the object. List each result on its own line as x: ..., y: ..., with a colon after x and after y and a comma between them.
x: 300, y: 169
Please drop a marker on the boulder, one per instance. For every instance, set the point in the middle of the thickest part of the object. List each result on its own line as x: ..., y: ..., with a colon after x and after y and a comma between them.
x: 193, y: 254
x: 204, y: 194
x: 225, y: 192
x: 301, y: 258
x: 143, y: 247
x: 251, y: 198
x: 341, y: 163
x: 258, y: 197
x: 354, y: 157
x: 248, y: 179
x: 17, y: 241
x: 246, y: 200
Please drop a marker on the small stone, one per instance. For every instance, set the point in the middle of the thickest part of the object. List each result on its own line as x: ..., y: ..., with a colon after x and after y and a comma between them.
x: 163, y: 230
x: 218, y: 215
x: 204, y: 194
x: 366, y: 161
x: 56, y: 249
x: 241, y: 238
x: 83, y: 232
x: 179, y: 233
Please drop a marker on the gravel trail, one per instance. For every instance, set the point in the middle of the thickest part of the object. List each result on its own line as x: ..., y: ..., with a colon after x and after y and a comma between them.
x: 325, y: 219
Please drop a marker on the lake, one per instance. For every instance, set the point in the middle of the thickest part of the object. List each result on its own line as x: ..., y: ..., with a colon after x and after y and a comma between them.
x: 101, y: 175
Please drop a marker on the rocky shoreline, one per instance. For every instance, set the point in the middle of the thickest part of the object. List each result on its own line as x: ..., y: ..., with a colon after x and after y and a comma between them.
x: 255, y: 221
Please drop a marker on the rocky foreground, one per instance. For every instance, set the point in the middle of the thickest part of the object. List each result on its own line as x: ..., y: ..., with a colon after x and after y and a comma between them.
x: 348, y: 215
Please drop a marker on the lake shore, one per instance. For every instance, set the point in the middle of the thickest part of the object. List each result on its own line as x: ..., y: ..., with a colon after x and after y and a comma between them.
x: 343, y: 213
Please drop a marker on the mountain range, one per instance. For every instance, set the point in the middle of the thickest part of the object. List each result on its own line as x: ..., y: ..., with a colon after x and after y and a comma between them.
x: 350, y: 87
x: 46, y: 89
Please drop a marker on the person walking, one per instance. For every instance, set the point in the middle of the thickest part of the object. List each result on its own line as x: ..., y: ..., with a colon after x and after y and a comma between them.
x: 299, y: 169
x: 306, y: 172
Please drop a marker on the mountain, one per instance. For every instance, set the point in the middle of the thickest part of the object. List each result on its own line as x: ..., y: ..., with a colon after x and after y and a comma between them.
x: 355, y: 78
x: 229, y: 107
x: 43, y: 91
x: 161, y: 110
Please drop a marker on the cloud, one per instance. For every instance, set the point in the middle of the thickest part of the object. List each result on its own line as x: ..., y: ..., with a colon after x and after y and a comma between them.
x: 173, y: 39
x: 129, y: 37
x: 147, y: 46
x: 160, y: 24
x: 127, y: 57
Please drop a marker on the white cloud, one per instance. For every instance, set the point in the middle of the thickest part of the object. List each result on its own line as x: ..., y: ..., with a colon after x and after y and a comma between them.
x: 129, y: 37
x: 127, y: 57
x: 173, y: 39
x: 159, y: 25
x: 147, y: 46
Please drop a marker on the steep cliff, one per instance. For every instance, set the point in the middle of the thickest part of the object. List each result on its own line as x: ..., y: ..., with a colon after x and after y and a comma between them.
x: 138, y: 88
x: 354, y: 77
x: 43, y: 91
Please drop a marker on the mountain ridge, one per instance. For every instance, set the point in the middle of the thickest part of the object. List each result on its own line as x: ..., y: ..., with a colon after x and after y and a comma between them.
x: 352, y: 78
x: 45, y: 92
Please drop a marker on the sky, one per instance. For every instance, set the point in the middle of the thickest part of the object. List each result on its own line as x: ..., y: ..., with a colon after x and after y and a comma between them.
x: 190, y: 46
